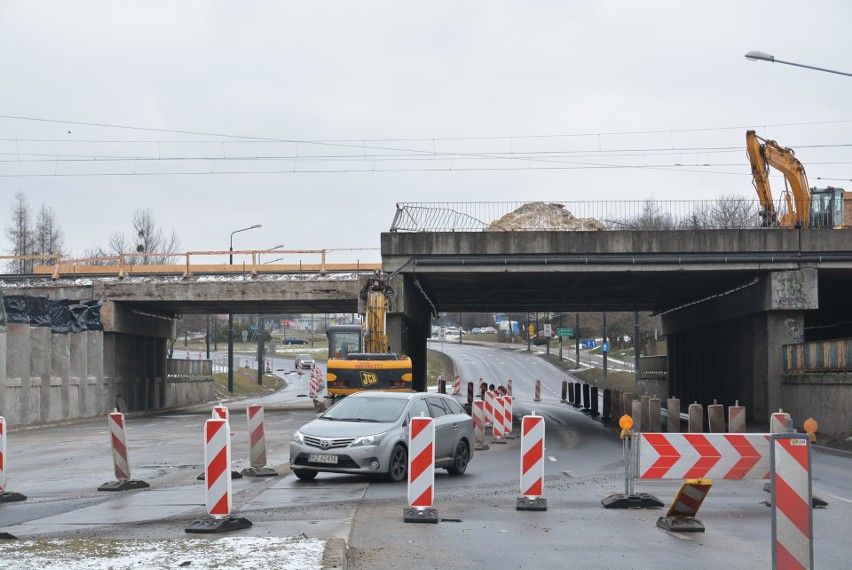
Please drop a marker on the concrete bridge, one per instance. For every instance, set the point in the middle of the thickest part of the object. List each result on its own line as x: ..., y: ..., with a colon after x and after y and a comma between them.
x: 730, y: 301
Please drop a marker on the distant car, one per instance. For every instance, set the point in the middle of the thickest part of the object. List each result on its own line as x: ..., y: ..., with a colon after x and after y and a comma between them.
x: 367, y: 433
x: 489, y: 330
x: 293, y: 340
x: 475, y: 330
x: 306, y: 360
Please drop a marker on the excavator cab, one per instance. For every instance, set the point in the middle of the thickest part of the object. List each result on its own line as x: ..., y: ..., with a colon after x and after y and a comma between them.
x: 827, y: 209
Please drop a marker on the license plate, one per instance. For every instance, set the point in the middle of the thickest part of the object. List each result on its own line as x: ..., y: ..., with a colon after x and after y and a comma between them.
x: 321, y: 458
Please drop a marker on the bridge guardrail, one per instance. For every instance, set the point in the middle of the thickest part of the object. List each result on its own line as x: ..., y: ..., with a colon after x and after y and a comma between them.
x: 820, y: 356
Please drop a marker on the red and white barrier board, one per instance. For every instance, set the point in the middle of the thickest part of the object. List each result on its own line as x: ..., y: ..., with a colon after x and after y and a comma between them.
x: 736, y: 418
x: 479, y: 423
x: 778, y: 422
x: 217, y: 467
x: 489, y: 407
x: 316, y: 387
x: 537, y: 391
x: 220, y: 412
x: 457, y: 386
x: 257, y: 436
x: 421, y: 462
x: 507, y: 416
x: 792, y: 516
x: 703, y: 456
x: 118, y: 439
x: 532, y: 456
x: 498, y: 423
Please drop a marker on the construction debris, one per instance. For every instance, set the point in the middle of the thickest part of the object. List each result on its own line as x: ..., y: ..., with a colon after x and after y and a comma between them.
x: 544, y: 216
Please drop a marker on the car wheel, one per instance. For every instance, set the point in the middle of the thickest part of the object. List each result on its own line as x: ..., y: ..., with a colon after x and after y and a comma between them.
x: 305, y: 475
x: 460, y: 459
x: 398, y: 468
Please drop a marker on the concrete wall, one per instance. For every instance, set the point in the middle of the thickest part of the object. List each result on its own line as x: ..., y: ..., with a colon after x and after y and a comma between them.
x: 825, y: 397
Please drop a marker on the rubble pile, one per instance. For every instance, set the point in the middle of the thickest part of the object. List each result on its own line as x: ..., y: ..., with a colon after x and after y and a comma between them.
x: 544, y: 216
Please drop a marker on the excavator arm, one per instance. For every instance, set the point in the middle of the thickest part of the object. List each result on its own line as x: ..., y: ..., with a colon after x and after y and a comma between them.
x: 783, y: 159
x: 760, y: 176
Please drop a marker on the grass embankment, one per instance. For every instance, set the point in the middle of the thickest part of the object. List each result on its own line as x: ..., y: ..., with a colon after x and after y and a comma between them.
x: 437, y: 364
x: 245, y: 384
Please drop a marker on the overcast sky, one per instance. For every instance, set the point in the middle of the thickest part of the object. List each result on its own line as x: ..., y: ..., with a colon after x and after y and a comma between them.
x: 411, y: 101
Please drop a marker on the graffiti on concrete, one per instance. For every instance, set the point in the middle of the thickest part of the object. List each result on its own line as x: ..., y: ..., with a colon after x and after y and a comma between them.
x: 794, y: 331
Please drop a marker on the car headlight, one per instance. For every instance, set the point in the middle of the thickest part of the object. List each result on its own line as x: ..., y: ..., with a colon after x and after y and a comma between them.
x: 368, y: 440
x: 299, y: 437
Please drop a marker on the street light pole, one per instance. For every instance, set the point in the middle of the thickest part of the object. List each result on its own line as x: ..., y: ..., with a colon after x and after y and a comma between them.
x: 763, y: 56
x: 231, y: 315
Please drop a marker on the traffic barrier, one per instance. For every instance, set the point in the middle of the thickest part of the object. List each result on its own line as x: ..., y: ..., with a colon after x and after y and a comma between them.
x: 607, y: 404
x: 629, y: 499
x: 564, y: 399
x: 532, y: 464
x: 673, y: 415
x: 470, y: 393
x: 457, y: 386
x: 696, y: 418
x: 121, y: 463
x: 736, y: 418
x: 479, y: 424
x: 654, y: 411
x: 636, y: 413
x: 570, y: 392
x: 537, y: 390
x: 792, y: 517
x: 586, y: 396
x: 5, y: 496
x: 482, y: 388
x: 703, y: 456
x: 681, y: 514
x: 507, y: 417
x: 779, y: 421
x: 442, y: 385
x: 615, y: 404
x: 421, y: 471
x: 217, y: 461
x: 257, y: 444
x: 593, y: 400
x: 268, y: 365
x: 716, y: 417
x: 313, y: 383
x: 220, y: 411
x: 645, y: 413
x: 509, y: 386
x: 626, y: 403
x: 489, y: 408
x: 499, y: 422
x: 577, y: 396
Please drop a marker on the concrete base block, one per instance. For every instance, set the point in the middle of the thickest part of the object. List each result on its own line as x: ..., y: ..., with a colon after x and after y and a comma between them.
x: 226, y: 524
x: 673, y: 524
x: 259, y: 472
x: 11, y: 497
x: 234, y: 475
x: 124, y: 485
x: 482, y: 447
x: 531, y: 504
x: 414, y: 515
x: 638, y: 501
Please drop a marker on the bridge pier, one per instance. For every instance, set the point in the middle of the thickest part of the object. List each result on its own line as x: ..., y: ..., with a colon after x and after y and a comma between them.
x: 409, y: 327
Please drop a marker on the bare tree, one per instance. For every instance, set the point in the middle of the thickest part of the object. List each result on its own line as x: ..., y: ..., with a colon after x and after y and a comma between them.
x: 147, y: 237
x: 48, y: 236
x: 20, y: 233
x: 725, y: 212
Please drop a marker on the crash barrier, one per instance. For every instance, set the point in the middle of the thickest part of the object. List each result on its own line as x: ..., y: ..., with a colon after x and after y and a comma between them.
x: 577, y: 397
x: 217, y: 494
x: 532, y: 464
x: 489, y: 408
x: 614, y: 403
x: 499, y: 422
x: 586, y: 395
x: 537, y: 391
x: 507, y: 417
x: 645, y: 413
x: 120, y: 460
x: 593, y: 401
x: 5, y: 496
x: 673, y: 415
x: 442, y: 385
x: 779, y: 421
x: 654, y: 411
x: 509, y: 387
x: 257, y: 444
x: 570, y: 393
x: 792, y: 517
x: 421, y: 471
x: 482, y: 387
x: 716, y: 418
x: 221, y: 412
x: 627, y: 403
x: 636, y: 413
x: 696, y: 418
x: 607, y: 404
x: 681, y: 514
x: 703, y: 456
x: 736, y: 418
x: 268, y: 364
x: 564, y: 392
x: 479, y: 424
x: 316, y: 385
x: 470, y: 393
x: 457, y: 386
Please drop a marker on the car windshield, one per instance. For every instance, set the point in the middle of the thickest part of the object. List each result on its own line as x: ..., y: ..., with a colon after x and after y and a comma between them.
x: 383, y: 410
x: 304, y: 357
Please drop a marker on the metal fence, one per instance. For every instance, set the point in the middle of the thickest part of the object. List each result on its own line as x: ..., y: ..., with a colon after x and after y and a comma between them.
x: 819, y: 356
x: 723, y: 213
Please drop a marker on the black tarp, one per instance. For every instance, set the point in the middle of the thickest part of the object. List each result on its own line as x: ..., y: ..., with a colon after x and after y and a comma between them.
x: 61, y: 315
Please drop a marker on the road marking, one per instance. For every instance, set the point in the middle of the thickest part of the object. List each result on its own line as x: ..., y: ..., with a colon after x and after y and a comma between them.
x: 840, y: 499
x: 551, y: 458
x: 678, y: 535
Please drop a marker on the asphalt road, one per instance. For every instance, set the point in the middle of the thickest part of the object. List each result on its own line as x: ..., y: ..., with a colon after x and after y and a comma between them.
x: 60, y: 467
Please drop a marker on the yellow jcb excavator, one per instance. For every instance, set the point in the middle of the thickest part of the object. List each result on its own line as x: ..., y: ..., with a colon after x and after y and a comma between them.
x: 360, y: 359
x: 815, y: 207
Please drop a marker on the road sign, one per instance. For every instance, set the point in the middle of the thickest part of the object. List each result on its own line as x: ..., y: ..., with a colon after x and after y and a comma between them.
x: 547, y: 330
x: 532, y: 330
x: 604, y: 347
x: 254, y: 327
x: 565, y: 332
x: 704, y: 456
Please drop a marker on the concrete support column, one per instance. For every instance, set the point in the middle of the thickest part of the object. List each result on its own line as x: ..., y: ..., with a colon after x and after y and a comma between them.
x: 60, y: 378
x: 16, y: 399
x: 408, y: 327
x: 95, y: 369
x: 40, y: 357
x: 77, y: 381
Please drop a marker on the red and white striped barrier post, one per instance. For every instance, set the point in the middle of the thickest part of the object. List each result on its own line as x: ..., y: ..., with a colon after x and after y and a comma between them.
x: 489, y: 408
x: 673, y: 415
x: 479, y: 424
x: 121, y: 463
x: 779, y: 421
x: 681, y: 514
x: 482, y: 388
x: 312, y: 384
x: 217, y: 467
x: 421, y: 471
x: 532, y: 464
x: 509, y: 386
x: 268, y: 365
x: 221, y: 412
x: 716, y: 417
x: 257, y: 444
x: 5, y: 496
x: 792, y: 517
x: 499, y: 423
x: 736, y: 418
x: 457, y: 386
x: 696, y: 418
x: 507, y: 417
x: 537, y: 390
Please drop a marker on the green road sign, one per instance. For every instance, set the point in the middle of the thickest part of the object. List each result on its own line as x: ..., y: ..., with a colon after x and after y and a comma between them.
x: 565, y: 332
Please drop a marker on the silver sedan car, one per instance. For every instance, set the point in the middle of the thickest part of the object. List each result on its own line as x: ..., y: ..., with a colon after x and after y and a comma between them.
x: 367, y: 433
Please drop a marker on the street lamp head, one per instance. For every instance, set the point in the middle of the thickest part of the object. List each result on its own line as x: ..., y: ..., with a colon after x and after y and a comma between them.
x: 759, y: 55
x: 256, y: 226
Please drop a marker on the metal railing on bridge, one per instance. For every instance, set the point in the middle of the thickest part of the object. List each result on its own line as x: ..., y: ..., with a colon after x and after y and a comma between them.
x: 819, y: 356
x: 722, y: 213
